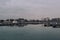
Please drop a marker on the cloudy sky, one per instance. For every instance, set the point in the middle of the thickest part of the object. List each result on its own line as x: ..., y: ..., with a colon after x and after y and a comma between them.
x: 29, y: 9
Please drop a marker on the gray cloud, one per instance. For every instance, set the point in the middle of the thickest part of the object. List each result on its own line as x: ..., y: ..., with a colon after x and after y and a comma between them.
x: 34, y: 9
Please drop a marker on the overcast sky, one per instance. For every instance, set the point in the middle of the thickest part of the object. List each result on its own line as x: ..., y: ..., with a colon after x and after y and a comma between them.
x: 29, y: 9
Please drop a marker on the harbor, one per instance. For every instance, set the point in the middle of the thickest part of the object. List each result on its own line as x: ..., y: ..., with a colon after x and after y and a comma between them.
x: 54, y: 22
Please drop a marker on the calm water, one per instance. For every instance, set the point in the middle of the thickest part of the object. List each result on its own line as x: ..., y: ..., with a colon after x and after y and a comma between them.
x: 29, y: 32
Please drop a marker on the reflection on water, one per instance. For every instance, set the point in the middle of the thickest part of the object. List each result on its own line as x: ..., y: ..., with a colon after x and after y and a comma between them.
x: 22, y: 25
x: 29, y: 32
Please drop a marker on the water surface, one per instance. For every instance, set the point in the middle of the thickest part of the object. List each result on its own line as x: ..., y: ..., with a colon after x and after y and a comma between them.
x: 29, y: 32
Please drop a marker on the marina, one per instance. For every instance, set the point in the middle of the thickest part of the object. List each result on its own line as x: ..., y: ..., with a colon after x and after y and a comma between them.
x: 55, y: 22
